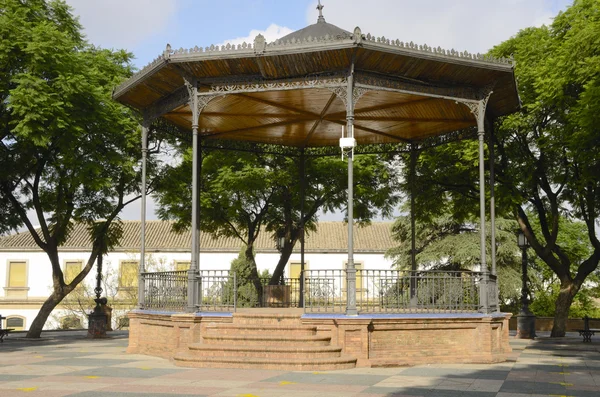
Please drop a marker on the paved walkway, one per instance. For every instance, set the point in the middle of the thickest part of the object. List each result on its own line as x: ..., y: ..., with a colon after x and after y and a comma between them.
x: 67, y: 364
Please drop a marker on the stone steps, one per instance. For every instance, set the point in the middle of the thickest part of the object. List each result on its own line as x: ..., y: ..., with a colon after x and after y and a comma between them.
x: 264, y: 341
x: 254, y: 329
x: 260, y: 351
x: 266, y: 319
x: 267, y: 339
x: 288, y: 364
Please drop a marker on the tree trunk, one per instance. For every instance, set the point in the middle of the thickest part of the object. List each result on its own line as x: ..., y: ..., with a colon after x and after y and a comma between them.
x: 286, y: 252
x: 254, y: 271
x: 568, y: 290
x: 35, y: 330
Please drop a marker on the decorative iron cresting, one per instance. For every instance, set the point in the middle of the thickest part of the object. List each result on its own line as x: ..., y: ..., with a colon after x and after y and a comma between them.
x: 279, y: 85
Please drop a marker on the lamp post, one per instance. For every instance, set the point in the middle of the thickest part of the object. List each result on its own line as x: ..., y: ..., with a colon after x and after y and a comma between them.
x: 98, y: 320
x: 525, y: 319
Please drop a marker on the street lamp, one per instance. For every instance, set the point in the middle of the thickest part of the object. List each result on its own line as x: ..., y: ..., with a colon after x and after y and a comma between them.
x: 98, y: 320
x: 525, y: 319
x: 280, y: 239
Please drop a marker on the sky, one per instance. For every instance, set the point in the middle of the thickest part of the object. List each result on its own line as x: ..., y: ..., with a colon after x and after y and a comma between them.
x: 144, y: 27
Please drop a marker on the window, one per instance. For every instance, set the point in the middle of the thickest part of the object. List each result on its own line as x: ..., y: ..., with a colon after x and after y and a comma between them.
x: 294, y: 269
x: 16, y: 323
x: 129, y: 274
x: 182, y: 265
x: 72, y: 269
x: 17, y: 279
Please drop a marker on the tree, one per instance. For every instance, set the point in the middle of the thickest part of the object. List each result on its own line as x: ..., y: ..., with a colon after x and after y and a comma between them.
x: 68, y: 152
x: 550, y: 146
x: 443, y: 243
x: 546, y: 154
x: 243, y: 193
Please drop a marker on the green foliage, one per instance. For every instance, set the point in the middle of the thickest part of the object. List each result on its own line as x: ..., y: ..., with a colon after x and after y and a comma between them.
x: 546, y: 158
x: 246, y: 295
x: 442, y: 243
x: 68, y: 152
x: 245, y: 192
x: 544, y: 303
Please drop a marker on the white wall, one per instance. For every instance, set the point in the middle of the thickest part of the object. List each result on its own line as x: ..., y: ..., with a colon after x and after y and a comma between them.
x: 40, y: 273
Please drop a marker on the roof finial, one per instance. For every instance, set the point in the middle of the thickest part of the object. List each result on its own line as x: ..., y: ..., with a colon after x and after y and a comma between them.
x: 320, y: 8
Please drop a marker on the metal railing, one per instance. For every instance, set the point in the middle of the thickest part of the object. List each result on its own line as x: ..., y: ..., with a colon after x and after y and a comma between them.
x: 165, y: 290
x: 218, y: 290
x: 324, y: 290
x: 377, y: 291
x: 393, y: 291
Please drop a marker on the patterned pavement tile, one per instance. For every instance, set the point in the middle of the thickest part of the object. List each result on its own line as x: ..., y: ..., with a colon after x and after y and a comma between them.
x: 40, y: 369
x: 171, y: 390
x: 410, y: 381
x: 247, y: 392
x: 534, y: 387
x: 219, y: 373
x: 409, y: 391
x: 32, y: 392
x: 11, y: 378
x: 122, y: 356
x: 148, y: 365
x: 368, y: 371
x: 104, y: 393
x: 85, y: 362
x: 35, y: 384
x: 89, y: 368
x: 329, y: 378
x: 123, y: 372
x: 92, y: 379
x: 286, y: 387
x: 486, y: 385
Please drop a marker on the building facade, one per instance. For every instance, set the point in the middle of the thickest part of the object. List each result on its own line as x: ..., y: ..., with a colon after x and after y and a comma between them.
x: 26, y: 273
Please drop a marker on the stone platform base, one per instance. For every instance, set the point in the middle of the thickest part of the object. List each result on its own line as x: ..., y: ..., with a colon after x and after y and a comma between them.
x: 210, y: 339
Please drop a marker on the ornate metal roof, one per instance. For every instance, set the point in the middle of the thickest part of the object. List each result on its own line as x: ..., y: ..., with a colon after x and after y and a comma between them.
x: 293, y: 91
x: 319, y: 29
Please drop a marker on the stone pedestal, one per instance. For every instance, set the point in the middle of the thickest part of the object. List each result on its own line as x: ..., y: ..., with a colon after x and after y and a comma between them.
x: 97, y: 323
x: 525, y: 325
x: 98, y: 320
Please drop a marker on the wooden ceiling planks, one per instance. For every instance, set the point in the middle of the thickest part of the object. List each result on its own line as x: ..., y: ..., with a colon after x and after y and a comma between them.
x: 314, y: 117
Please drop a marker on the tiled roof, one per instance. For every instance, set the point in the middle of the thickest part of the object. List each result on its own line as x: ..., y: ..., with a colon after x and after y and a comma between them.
x: 329, y: 237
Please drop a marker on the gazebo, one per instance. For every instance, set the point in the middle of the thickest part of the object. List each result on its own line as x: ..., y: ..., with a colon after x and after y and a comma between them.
x: 325, y: 86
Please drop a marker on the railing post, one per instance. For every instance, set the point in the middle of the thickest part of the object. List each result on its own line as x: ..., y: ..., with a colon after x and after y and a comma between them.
x: 234, y: 291
x: 484, y: 306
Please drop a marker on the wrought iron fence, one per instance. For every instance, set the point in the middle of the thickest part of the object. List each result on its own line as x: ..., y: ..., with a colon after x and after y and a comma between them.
x: 393, y: 291
x: 493, y: 293
x: 324, y: 290
x: 165, y: 290
x: 218, y: 290
x: 377, y: 291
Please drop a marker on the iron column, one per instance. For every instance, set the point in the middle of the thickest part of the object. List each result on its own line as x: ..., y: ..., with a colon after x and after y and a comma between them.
x: 350, y: 269
x: 142, y: 267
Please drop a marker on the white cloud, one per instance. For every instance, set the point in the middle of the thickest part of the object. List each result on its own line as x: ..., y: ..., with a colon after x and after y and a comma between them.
x: 272, y: 33
x: 123, y: 24
x: 472, y: 25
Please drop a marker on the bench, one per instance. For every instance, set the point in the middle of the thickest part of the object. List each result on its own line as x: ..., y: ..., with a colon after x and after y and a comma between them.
x: 4, y: 331
x: 587, y: 332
